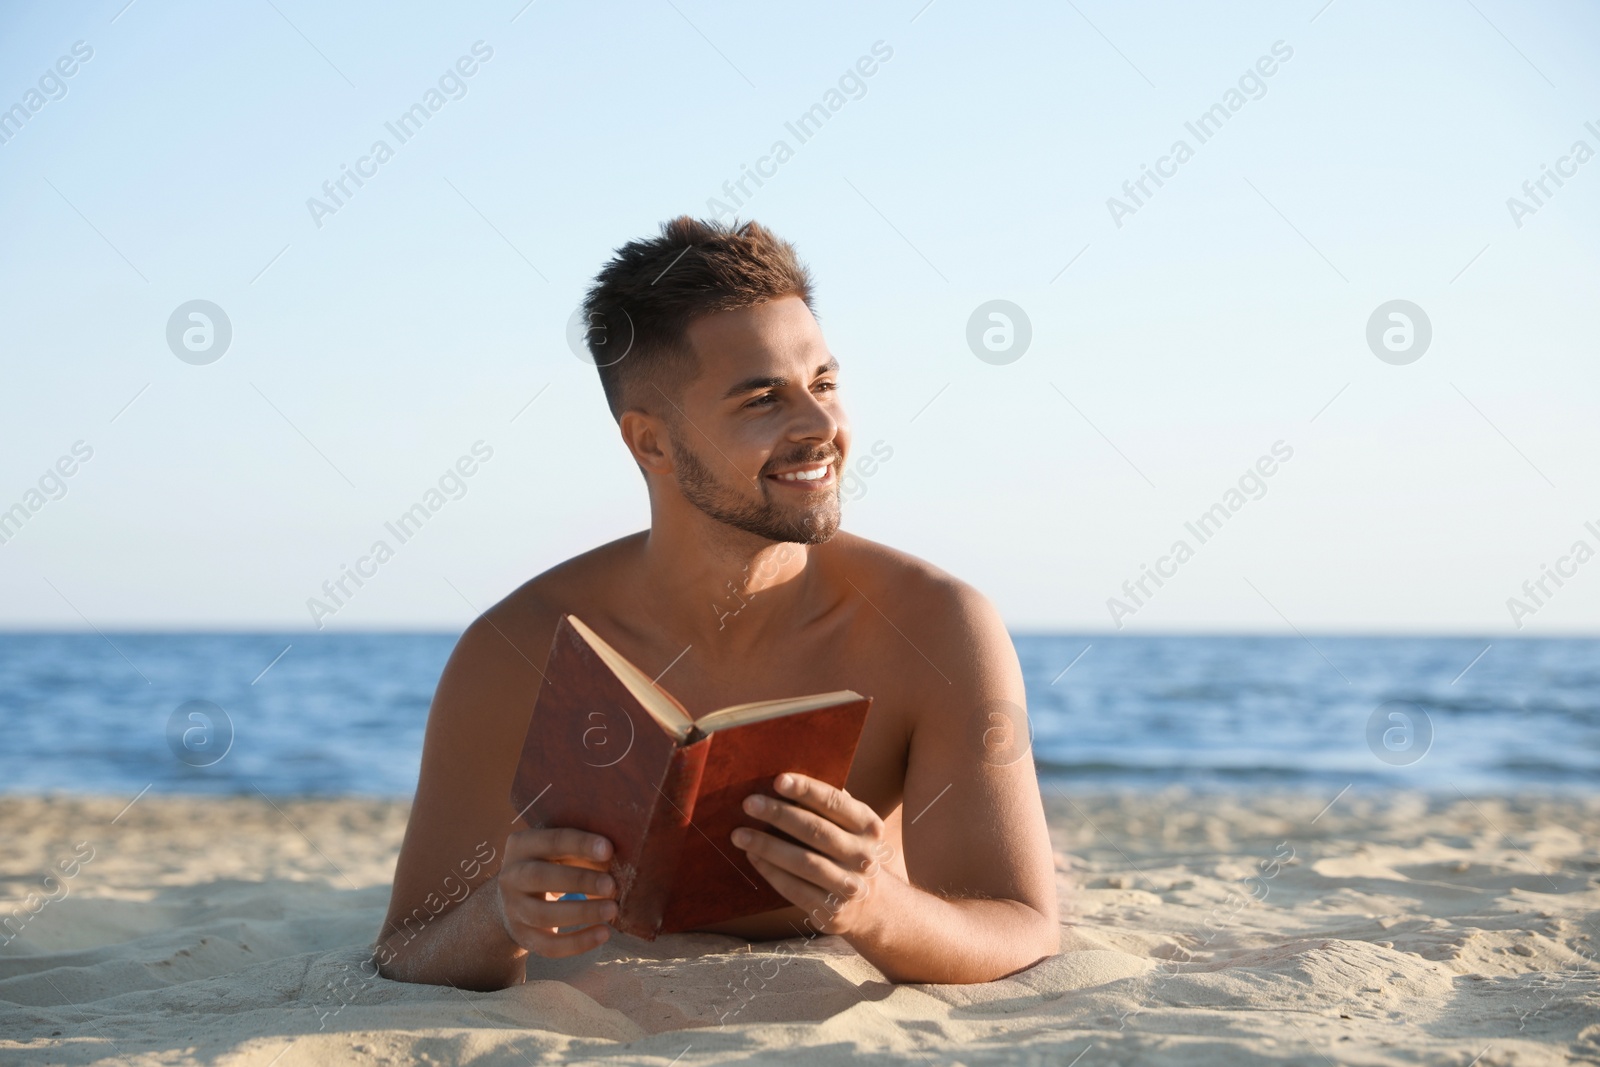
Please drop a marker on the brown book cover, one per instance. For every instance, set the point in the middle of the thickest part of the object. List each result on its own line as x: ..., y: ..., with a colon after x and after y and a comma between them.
x: 610, y: 752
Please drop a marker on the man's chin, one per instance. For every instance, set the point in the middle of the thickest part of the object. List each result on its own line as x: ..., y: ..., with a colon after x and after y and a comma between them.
x: 795, y: 535
x: 816, y: 528
x: 811, y: 529
x: 817, y: 537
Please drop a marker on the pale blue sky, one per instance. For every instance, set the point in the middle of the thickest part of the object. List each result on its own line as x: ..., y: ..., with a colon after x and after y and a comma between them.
x: 371, y: 352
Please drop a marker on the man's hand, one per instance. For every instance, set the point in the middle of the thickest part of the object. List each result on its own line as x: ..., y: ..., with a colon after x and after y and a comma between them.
x: 836, y: 876
x: 541, y: 865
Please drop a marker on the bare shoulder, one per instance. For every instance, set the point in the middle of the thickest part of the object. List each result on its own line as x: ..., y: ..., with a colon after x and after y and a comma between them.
x: 526, y: 618
x: 497, y: 668
x: 942, y: 621
x: 891, y: 579
x: 488, y: 689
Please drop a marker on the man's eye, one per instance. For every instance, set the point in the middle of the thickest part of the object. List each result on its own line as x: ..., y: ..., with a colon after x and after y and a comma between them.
x: 827, y: 385
x: 761, y: 401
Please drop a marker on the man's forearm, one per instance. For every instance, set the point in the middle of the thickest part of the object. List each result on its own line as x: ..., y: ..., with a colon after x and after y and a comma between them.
x: 922, y: 937
x: 466, y: 947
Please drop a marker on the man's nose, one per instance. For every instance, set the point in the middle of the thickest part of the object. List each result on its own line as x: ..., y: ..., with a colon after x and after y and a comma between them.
x: 814, y: 421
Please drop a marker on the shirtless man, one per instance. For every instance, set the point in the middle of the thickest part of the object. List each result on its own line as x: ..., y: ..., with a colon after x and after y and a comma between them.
x: 727, y: 397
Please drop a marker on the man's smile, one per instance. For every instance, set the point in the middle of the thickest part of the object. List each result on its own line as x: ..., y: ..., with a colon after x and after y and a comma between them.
x: 817, y: 475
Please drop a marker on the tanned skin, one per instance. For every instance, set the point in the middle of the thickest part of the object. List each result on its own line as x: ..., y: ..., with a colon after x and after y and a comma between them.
x: 934, y: 862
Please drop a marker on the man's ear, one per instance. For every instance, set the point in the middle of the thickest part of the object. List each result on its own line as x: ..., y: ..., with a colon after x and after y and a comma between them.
x: 646, y: 437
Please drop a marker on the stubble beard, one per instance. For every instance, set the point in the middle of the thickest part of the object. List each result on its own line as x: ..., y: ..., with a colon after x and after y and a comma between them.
x: 796, y: 525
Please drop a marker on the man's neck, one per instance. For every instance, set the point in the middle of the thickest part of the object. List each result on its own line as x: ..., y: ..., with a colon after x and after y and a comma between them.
x: 710, y: 583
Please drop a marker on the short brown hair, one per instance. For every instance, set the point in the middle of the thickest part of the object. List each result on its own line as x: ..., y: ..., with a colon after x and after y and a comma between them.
x: 654, y: 287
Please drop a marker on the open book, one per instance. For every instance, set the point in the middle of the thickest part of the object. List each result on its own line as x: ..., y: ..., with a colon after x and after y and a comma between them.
x: 611, y: 752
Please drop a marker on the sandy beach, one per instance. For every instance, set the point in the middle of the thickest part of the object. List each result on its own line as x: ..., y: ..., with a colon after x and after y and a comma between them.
x: 1198, y: 929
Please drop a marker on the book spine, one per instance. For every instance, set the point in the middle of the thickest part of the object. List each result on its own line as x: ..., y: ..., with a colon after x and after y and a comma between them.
x: 640, y: 912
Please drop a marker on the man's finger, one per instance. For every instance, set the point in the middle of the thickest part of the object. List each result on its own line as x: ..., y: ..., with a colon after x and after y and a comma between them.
x: 810, y: 829
x: 803, y: 863
x: 537, y: 876
x: 831, y: 802
x: 797, y: 891
x: 562, y: 914
x: 552, y: 945
x: 562, y: 844
x: 821, y: 909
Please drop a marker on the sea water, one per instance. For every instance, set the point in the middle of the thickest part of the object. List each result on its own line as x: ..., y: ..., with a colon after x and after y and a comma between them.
x: 329, y: 714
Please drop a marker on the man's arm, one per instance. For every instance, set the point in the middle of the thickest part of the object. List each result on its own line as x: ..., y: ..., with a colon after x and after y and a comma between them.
x: 981, y: 898
x: 473, y: 892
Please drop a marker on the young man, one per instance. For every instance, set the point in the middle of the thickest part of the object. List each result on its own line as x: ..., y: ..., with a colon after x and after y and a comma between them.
x: 934, y: 861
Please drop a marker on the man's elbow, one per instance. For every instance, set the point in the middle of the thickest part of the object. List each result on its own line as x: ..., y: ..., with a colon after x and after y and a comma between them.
x: 446, y: 957
x: 1028, y: 937
x: 394, y: 965
x: 1047, y: 929
x: 1038, y: 937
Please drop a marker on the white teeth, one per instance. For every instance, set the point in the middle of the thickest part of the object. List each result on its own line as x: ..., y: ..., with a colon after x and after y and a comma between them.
x: 804, y: 476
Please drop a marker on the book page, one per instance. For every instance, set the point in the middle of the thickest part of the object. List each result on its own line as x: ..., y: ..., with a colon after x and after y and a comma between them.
x: 739, y: 714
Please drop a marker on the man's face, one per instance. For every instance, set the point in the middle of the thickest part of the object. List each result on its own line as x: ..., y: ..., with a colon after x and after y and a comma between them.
x: 759, y: 437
